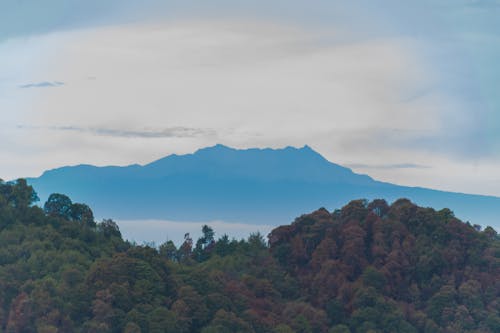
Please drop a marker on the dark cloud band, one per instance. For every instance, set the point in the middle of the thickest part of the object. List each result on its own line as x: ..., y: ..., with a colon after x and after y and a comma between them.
x: 168, y: 132
x: 388, y: 166
x: 45, y: 84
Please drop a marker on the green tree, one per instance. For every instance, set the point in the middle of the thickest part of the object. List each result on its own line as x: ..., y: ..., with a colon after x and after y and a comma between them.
x: 82, y: 213
x: 204, y: 244
x: 373, y: 278
x: 339, y: 329
x: 186, y: 248
x: 109, y: 228
x: 132, y: 327
x: 168, y: 250
x: 58, y: 205
x: 227, y: 322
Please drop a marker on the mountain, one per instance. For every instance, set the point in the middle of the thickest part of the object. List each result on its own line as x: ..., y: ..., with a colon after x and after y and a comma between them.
x: 259, y: 186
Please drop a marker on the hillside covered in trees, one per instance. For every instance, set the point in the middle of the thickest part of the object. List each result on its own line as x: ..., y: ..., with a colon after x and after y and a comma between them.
x: 368, y: 267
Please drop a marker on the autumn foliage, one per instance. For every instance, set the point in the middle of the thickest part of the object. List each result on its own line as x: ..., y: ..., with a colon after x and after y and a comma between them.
x: 368, y: 267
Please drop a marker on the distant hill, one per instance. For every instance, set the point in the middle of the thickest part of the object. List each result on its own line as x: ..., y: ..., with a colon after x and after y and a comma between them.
x: 260, y: 186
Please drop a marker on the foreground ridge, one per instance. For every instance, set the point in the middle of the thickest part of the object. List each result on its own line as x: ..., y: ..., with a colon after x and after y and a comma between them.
x: 368, y: 267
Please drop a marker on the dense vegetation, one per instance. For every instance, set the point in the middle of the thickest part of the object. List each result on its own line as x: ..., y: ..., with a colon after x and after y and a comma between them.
x: 368, y: 267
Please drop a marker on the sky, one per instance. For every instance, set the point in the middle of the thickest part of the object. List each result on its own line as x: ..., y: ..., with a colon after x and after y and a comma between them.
x: 405, y: 92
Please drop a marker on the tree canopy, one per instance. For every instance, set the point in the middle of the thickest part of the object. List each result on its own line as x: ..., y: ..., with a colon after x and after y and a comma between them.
x: 368, y: 267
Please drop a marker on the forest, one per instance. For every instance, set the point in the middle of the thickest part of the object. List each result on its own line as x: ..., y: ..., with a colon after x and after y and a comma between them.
x: 367, y: 267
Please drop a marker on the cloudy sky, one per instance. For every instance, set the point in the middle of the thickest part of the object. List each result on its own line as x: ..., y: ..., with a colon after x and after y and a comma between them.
x: 405, y: 92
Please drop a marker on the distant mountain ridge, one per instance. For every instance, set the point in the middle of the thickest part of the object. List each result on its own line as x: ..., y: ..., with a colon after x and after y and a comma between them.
x: 260, y: 186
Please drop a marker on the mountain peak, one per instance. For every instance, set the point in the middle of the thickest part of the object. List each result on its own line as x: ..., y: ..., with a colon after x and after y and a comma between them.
x: 223, y: 148
x: 306, y: 149
x: 256, y: 164
x: 216, y: 148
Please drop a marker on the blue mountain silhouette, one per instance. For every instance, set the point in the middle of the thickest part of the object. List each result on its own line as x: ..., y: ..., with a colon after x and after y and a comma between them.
x: 260, y: 186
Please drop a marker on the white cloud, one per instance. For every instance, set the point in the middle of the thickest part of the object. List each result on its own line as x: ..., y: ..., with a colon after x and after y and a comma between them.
x: 249, y: 81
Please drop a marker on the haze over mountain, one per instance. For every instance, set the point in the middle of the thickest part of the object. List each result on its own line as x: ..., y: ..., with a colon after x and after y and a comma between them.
x: 255, y: 186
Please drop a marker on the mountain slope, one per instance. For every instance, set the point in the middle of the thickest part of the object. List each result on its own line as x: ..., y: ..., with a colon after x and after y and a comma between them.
x: 251, y: 186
